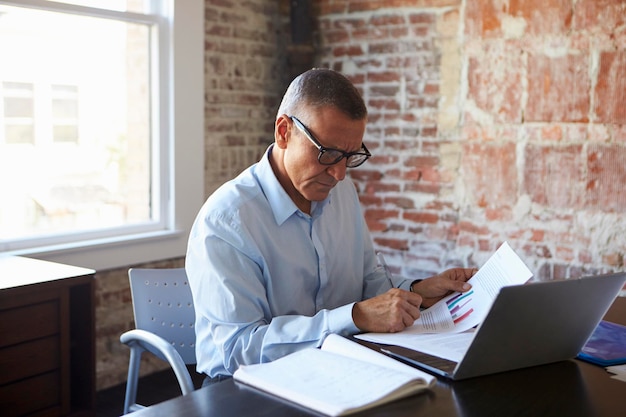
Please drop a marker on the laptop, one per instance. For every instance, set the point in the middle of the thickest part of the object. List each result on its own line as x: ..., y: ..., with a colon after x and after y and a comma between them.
x: 528, y: 325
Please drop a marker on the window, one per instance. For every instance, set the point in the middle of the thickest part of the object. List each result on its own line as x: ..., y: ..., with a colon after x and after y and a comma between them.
x: 95, y: 170
x: 65, y: 113
x: 19, y: 112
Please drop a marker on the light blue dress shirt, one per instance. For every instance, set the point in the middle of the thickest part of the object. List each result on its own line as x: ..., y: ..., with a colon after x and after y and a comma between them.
x: 268, y: 279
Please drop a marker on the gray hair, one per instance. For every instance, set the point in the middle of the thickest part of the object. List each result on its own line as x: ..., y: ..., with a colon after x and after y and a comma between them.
x: 321, y: 87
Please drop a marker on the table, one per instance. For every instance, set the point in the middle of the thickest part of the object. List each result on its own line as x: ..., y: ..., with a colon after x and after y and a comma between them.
x: 568, y: 388
x: 47, y: 339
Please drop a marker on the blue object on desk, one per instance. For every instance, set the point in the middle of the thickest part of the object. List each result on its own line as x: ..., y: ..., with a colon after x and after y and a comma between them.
x: 606, y: 346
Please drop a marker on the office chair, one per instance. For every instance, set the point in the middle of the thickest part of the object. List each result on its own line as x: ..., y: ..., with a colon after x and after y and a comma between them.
x: 164, y: 321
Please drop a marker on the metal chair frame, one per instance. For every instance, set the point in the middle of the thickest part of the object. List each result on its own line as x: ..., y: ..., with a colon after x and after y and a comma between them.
x: 164, y: 325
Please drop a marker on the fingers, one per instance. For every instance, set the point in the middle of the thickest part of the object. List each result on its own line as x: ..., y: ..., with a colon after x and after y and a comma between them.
x: 460, y: 274
x: 392, y: 311
x: 407, y: 307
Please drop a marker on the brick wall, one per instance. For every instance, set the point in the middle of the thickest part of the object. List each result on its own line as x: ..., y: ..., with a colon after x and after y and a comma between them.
x: 489, y: 121
x: 245, y: 77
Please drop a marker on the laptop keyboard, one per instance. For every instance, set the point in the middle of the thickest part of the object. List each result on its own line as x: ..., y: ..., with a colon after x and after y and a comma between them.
x: 435, y: 362
x: 422, y: 359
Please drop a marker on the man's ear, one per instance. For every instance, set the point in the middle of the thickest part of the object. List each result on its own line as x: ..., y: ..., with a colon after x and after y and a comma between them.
x: 282, y: 131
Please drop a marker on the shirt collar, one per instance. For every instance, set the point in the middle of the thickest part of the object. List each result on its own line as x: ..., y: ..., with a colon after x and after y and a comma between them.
x: 281, y: 204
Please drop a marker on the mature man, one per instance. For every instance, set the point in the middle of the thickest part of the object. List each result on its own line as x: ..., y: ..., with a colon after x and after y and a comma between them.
x: 281, y: 256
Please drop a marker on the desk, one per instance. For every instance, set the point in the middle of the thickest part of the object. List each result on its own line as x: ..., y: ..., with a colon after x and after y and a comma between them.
x: 47, y: 339
x: 568, y: 388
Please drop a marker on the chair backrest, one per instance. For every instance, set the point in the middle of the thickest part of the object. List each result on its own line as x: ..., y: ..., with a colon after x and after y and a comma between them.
x: 163, y: 305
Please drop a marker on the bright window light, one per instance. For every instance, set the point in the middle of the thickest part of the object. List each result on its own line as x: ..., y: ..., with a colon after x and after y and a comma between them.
x: 86, y: 122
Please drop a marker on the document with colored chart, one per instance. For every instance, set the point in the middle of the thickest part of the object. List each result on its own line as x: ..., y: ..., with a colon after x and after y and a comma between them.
x: 460, y: 312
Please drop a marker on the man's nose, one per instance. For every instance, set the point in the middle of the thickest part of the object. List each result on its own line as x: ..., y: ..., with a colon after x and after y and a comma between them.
x: 338, y: 170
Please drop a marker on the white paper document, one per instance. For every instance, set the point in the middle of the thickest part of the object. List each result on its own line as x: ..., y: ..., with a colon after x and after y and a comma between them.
x: 459, y: 312
x: 619, y: 372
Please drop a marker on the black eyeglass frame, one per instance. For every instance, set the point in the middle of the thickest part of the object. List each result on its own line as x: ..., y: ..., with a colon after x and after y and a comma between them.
x: 323, y: 149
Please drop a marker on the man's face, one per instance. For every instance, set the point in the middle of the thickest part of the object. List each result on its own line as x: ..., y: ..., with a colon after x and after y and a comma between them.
x: 308, y: 180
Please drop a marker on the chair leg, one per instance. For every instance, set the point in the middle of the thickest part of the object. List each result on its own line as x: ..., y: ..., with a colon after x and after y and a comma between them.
x: 130, y: 399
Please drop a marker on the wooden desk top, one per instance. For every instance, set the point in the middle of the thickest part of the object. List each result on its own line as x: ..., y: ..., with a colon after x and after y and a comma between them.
x: 569, y: 388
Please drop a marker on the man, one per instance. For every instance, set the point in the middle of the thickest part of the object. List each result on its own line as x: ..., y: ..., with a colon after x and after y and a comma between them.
x: 281, y: 256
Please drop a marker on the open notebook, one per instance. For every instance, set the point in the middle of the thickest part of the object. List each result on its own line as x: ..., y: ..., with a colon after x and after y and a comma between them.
x: 341, y: 378
x: 532, y: 324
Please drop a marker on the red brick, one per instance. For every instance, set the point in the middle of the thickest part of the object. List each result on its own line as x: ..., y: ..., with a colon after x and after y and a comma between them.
x: 606, y: 167
x: 370, y: 200
x: 495, y: 82
x: 395, y: 227
x: 619, y: 133
x: 334, y: 37
x: 540, y: 251
x: 391, y: 131
x: 482, y: 18
x: 375, y: 225
x: 610, y: 90
x: 422, y: 18
x: 502, y: 213
x: 538, y: 235
x: 397, y: 244
x: 429, y: 147
x: 393, y: 173
x: 401, y: 202
x: 558, y: 88
x: 419, y: 174
x: 585, y: 257
x: 472, y: 228
x: 365, y: 5
x: 349, y: 50
x: 543, y: 16
x: 383, y: 104
x: 387, y: 19
x: 381, y: 214
x: 325, y: 7
x: 366, y: 175
x: 565, y: 254
x: 489, y: 172
x: 383, y: 77
x: 606, y: 15
x: 439, y: 205
x: 399, y: 145
x: 385, y: 90
x: 422, y: 187
x: 378, y: 187
x: 420, y: 217
x: 422, y: 161
x: 553, y: 176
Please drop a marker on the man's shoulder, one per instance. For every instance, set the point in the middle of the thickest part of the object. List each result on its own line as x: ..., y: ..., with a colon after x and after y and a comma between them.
x: 235, y: 192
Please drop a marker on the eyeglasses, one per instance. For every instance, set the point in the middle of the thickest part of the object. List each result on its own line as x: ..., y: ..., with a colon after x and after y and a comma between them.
x: 330, y: 156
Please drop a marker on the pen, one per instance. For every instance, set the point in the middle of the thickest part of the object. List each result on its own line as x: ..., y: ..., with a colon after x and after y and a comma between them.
x: 381, y: 261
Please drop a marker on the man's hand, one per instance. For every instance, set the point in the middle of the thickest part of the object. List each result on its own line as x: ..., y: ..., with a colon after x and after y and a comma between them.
x: 390, y: 312
x: 435, y: 288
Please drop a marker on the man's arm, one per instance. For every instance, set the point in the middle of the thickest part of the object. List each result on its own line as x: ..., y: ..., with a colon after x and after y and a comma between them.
x: 236, y: 321
x: 397, y: 309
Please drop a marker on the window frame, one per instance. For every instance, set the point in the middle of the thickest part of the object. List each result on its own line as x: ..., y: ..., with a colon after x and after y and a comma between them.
x: 179, y: 160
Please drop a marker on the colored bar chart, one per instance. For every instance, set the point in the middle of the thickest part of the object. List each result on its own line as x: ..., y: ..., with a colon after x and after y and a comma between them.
x: 460, y: 306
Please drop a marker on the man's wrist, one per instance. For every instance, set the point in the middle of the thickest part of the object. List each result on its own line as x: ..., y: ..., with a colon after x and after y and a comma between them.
x: 414, y: 283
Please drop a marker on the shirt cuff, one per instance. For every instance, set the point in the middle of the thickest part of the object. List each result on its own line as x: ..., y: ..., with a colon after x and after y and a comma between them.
x: 340, y: 321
